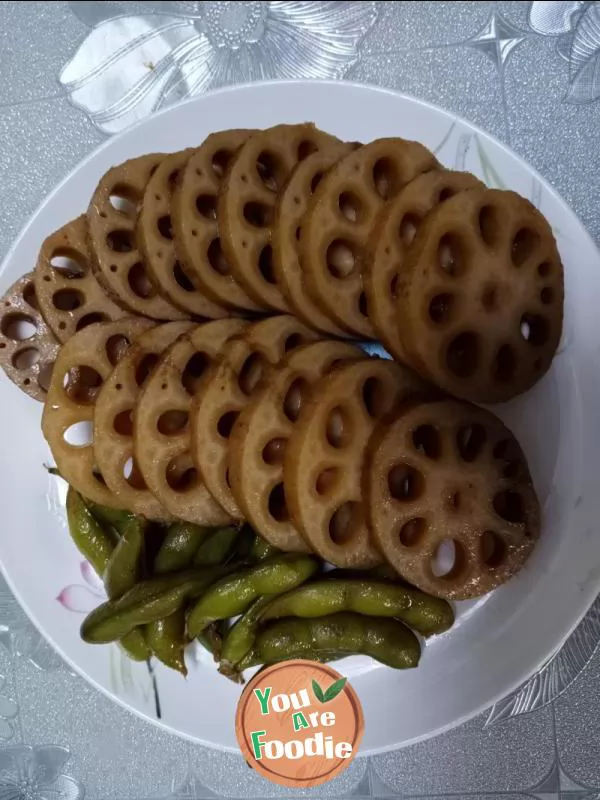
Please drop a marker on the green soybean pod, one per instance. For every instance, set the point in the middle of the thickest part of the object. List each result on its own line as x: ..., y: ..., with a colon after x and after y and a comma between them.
x: 180, y: 546
x: 233, y: 595
x: 261, y: 549
x: 115, y: 517
x: 426, y: 614
x: 217, y: 548
x: 96, y: 542
x: 135, y: 646
x: 211, y: 638
x: 146, y: 602
x: 91, y: 539
x: 124, y: 566
x: 385, y: 639
x: 166, y: 639
x: 240, y: 637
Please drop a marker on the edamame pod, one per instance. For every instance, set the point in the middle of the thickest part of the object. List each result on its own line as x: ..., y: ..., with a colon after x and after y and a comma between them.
x: 96, y: 542
x: 233, y: 595
x: 335, y: 636
x: 135, y: 645
x: 217, y: 548
x: 211, y: 638
x: 426, y: 614
x: 124, y: 566
x: 146, y: 602
x: 166, y: 638
x: 261, y: 549
x: 240, y: 637
x: 93, y: 542
x: 179, y: 546
x: 114, y: 517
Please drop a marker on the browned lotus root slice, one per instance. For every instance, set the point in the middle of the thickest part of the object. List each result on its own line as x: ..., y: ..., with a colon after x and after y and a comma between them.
x: 260, y: 435
x: 449, y: 476
x: 161, y: 423
x: 83, y: 364
x: 28, y: 348
x: 118, y: 261
x: 67, y: 289
x: 113, y: 420
x: 290, y: 209
x: 324, y: 456
x: 155, y: 237
x: 194, y: 220
x: 227, y: 389
x: 392, y: 234
x: 340, y: 218
x: 481, y: 296
x: 247, y: 201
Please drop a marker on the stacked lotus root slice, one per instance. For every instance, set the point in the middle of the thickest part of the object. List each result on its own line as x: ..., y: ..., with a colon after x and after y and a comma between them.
x: 319, y: 446
x: 202, y: 317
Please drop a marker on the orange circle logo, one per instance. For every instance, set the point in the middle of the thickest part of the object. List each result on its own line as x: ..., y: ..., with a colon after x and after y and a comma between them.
x: 299, y: 723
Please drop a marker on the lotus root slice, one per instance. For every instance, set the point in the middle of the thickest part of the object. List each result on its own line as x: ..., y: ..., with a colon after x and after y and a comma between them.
x: 451, y: 502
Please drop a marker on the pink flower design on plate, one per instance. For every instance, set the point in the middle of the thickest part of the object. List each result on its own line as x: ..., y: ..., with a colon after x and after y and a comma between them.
x: 83, y: 597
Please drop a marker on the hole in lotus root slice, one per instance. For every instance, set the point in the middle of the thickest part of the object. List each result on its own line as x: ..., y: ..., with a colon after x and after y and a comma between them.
x: 277, y: 505
x: 350, y: 206
x: 405, y: 483
x: 337, y: 416
x: 341, y: 258
x: 123, y: 422
x: 17, y: 326
x: 255, y: 179
x: 81, y: 368
x: 145, y: 367
x: 476, y: 357
x: 493, y: 549
x: 26, y: 358
x: 259, y: 439
x: 295, y: 397
x: 182, y: 475
x: 116, y: 347
x: 133, y: 476
x: 120, y: 392
x: 114, y: 237
x: 374, y: 173
x: 195, y: 225
x: 412, y: 532
x: 193, y: 371
x: 286, y: 236
x: 81, y: 434
x: 525, y: 244
x: 155, y: 236
x: 67, y: 290
x: 338, y: 427
x: 124, y: 200
x: 252, y: 372
x: 472, y: 527
x: 489, y: 225
x: 426, y: 439
x: 241, y: 373
x: 345, y: 523
x: 90, y: 319
x: 27, y: 345
x: 327, y: 480
x: 163, y: 419
x: 388, y: 270
x: 449, y: 559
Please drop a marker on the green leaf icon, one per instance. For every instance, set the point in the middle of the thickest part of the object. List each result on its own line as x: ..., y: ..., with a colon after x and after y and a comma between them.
x: 334, y: 689
x: 318, y: 692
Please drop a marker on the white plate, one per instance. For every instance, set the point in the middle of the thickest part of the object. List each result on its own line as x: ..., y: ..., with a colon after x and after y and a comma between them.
x: 497, y: 641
